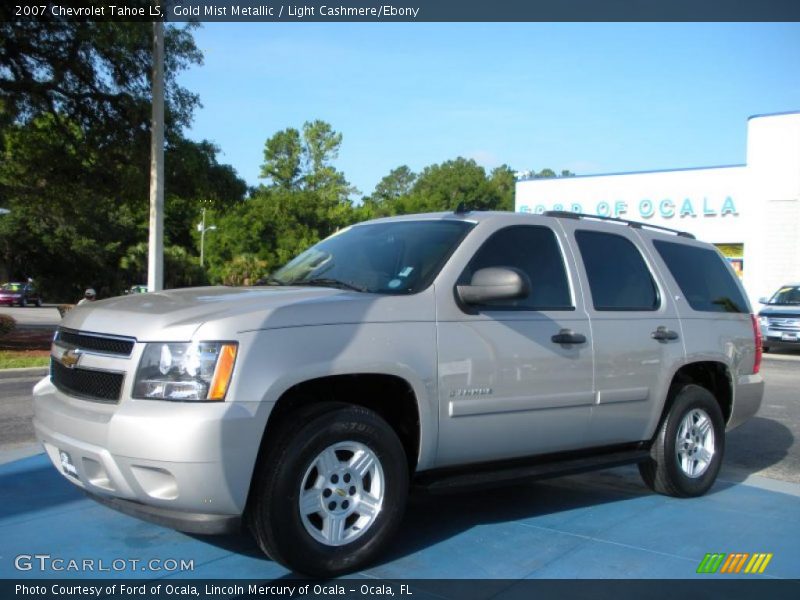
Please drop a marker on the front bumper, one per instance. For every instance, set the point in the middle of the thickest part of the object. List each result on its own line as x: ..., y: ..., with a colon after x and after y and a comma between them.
x: 781, y: 335
x: 200, y: 523
x: 186, y: 465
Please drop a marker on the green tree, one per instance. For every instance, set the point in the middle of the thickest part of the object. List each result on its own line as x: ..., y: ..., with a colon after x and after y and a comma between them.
x: 244, y: 269
x: 74, y: 151
x: 283, y: 153
x: 292, y: 162
x: 397, y: 184
x: 447, y: 185
x: 180, y: 268
x: 504, y: 182
x: 93, y: 77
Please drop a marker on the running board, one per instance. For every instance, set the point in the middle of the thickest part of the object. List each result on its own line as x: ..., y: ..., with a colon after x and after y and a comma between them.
x: 441, y: 481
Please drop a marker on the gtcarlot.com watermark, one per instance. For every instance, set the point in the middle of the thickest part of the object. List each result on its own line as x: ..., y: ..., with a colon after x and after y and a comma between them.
x: 55, y: 564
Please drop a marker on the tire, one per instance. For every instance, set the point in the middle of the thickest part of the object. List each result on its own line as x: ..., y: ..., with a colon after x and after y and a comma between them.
x: 319, y: 453
x: 38, y: 303
x: 765, y: 349
x: 687, y: 468
x: 23, y: 303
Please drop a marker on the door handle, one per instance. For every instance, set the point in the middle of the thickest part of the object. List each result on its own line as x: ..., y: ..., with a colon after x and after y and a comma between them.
x: 567, y: 336
x: 662, y: 334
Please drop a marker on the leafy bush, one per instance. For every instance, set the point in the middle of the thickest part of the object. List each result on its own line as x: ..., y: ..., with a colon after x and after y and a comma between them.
x: 7, y: 324
x: 64, y: 309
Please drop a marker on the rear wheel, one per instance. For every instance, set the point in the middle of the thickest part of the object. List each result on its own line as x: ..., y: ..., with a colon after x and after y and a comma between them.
x: 39, y: 302
x: 23, y: 302
x: 687, y: 453
x: 330, y: 491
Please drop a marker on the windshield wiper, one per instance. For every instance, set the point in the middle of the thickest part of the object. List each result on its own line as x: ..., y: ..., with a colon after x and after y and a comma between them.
x: 330, y: 282
x: 270, y: 281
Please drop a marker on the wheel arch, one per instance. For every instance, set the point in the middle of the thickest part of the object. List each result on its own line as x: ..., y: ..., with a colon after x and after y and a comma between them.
x: 390, y: 396
x: 715, y: 376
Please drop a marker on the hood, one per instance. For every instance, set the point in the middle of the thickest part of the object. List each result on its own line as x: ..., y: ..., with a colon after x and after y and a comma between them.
x: 175, y: 315
x: 780, y: 310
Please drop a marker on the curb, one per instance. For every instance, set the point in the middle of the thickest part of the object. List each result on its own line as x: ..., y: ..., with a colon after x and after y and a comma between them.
x: 22, y: 371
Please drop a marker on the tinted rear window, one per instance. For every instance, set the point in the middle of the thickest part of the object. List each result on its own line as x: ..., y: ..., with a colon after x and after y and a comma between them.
x: 618, y: 276
x: 703, y: 277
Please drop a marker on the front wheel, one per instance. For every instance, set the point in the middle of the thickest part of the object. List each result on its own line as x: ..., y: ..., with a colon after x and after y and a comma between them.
x: 330, y: 492
x: 687, y: 453
x: 23, y: 303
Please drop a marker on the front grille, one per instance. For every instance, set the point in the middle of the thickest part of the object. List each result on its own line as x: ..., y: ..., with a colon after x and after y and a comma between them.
x: 86, y: 383
x: 96, y: 343
x: 785, y: 324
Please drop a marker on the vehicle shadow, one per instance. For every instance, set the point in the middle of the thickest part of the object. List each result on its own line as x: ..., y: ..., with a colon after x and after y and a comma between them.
x: 431, y: 519
x: 756, y: 445
x: 33, y: 485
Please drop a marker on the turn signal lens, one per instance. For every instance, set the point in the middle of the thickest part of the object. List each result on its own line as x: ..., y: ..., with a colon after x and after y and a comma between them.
x: 223, y: 372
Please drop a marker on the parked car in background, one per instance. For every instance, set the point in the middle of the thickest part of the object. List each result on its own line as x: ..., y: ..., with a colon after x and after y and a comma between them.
x: 137, y: 289
x: 780, y: 318
x: 20, y: 294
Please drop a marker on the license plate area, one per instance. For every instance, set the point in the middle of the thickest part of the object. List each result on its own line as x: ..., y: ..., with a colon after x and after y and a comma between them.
x: 789, y: 337
x: 67, y: 466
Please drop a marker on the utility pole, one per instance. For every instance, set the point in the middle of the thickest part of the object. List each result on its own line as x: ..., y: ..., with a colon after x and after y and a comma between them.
x: 155, y: 257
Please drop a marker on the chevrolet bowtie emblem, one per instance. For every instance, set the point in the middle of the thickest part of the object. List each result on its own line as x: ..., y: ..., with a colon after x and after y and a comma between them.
x: 70, y: 357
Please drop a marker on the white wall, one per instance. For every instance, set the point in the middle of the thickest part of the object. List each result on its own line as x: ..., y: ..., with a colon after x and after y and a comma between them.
x: 757, y: 204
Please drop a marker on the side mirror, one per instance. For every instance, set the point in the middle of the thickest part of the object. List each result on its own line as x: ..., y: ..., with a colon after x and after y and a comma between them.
x: 763, y: 300
x: 494, y: 283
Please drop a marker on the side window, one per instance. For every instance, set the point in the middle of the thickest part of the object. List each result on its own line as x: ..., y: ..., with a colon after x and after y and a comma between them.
x: 618, y: 276
x: 705, y: 281
x: 533, y: 250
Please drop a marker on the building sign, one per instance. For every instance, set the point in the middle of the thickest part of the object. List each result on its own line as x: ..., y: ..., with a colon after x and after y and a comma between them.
x: 645, y: 208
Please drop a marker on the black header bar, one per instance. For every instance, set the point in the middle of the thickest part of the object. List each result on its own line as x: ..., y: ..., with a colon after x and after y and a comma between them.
x: 337, y: 11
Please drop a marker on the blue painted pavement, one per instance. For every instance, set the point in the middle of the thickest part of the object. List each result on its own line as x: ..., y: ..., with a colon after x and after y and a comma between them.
x: 601, y: 525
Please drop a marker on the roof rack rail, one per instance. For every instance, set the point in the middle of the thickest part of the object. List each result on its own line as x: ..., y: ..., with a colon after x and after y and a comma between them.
x: 565, y: 214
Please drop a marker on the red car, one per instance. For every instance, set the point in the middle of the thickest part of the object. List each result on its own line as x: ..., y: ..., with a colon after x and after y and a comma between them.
x: 21, y: 294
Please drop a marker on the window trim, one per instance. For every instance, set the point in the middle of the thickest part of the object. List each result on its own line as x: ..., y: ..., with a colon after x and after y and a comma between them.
x: 659, y: 300
x: 481, y: 308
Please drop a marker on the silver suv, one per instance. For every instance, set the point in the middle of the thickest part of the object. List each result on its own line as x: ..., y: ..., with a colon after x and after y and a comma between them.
x: 780, y: 318
x: 443, y: 350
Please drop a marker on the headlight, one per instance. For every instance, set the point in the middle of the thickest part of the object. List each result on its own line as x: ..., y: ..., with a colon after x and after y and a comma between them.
x: 189, y: 371
x: 763, y: 321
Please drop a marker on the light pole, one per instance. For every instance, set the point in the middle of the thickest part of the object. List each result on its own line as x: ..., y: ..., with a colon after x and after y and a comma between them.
x: 155, y: 246
x: 201, y: 227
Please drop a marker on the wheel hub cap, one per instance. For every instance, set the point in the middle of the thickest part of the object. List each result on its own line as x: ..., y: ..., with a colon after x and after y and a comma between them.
x: 694, y: 446
x: 341, y: 493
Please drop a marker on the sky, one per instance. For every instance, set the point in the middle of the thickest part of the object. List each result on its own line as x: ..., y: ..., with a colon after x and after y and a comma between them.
x: 588, y: 97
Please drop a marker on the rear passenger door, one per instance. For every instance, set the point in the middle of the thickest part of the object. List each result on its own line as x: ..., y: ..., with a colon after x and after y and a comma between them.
x: 506, y: 388
x: 636, y: 331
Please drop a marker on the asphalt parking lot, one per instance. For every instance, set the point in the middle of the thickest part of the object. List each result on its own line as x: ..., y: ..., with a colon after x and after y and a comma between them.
x: 599, y: 525
x: 31, y: 316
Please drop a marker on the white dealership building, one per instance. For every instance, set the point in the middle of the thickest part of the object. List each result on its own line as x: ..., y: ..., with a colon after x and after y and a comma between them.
x: 751, y: 211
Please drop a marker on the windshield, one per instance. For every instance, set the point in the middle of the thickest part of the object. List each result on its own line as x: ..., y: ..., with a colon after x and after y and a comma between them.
x: 400, y: 257
x: 11, y: 287
x: 786, y: 295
